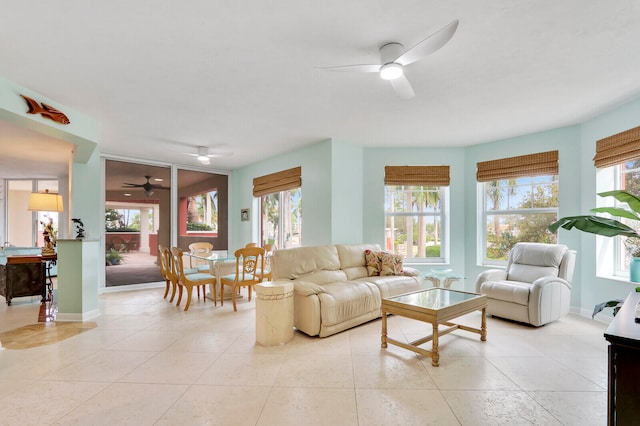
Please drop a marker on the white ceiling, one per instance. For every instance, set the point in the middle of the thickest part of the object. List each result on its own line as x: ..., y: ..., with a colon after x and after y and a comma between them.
x: 162, y: 76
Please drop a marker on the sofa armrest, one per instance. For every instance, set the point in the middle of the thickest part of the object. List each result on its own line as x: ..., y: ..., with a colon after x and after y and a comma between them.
x: 306, y: 288
x: 410, y: 272
x: 490, y: 275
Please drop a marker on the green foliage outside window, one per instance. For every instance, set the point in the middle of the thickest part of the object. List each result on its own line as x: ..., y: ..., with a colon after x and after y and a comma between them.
x: 519, y: 210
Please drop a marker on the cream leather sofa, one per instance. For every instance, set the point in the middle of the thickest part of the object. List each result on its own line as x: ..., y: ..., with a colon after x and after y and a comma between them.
x: 332, y: 291
x: 535, y: 288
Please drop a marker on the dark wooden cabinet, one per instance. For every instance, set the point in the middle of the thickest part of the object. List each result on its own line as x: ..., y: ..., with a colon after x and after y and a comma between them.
x: 623, y: 335
x: 22, y: 276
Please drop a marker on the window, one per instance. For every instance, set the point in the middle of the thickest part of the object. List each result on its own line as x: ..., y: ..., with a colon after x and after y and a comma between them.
x: 518, y: 200
x: 281, y: 222
x: 280, y: 207
x: 127, y: 220
x: 414, y: 218
x: 415, y: 206
x: 23, y: 227
x: 618, y: 161
x: 202, y: 212
x: 517, y: 210
x: 625, y: 176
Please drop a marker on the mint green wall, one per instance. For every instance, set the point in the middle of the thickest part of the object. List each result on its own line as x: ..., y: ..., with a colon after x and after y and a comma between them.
x: 82, y: 130
x: 373, y: 189
x: 316, y: 194
x: 346, y: 170
x: 86, y: 194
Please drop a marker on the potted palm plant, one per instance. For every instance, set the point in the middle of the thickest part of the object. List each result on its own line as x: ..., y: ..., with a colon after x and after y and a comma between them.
x: 113, y: 257
x: 610, y: 227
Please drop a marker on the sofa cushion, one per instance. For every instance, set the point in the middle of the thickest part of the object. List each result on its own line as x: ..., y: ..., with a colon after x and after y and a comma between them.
x: 390, y: 264
x: 292, y: 263
x: 322, y: 277
x: 355, y: 272
x: 390, y: 286
x: 372, y: 259
x: 342, y: 301
x: 507, y: 291
x: 352, y: 255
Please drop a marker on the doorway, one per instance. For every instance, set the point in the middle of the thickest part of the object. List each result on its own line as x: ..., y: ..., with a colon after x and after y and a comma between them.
x: 137, y: 219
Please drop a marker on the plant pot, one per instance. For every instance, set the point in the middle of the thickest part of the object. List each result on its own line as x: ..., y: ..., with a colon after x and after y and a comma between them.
x: 634, y: 270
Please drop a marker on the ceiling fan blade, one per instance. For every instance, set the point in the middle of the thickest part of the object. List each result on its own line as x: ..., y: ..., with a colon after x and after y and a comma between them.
x: 353, y: 68
x: 402, y: 87
x: 429, y: 45
x: 220, y: 154
x: 132, y: 185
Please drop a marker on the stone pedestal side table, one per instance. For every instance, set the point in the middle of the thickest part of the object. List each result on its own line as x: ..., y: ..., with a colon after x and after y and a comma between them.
x: 274, y: 312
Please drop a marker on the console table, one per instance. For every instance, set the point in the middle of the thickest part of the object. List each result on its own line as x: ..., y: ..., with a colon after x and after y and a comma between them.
x: 623, y: 334
x: 22, y: 276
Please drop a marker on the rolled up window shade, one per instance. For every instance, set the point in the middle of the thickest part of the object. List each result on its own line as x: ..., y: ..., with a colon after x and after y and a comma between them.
x: 617, y: 149
x: 276, y: 182
x: 417, y: 175
x: 542, y: 163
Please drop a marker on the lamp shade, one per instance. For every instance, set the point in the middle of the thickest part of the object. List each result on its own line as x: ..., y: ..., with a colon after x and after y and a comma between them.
x: 45, y: 202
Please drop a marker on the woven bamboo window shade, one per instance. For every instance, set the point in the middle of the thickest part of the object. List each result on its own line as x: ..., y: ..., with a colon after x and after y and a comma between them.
x: 276, y: 182
x: 617, y: 149
x: 417, y: 175
x: 542, y: 163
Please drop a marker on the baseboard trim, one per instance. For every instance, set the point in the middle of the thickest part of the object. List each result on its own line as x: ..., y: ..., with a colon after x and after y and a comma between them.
x: 587, y: 314
x: 86, y: 316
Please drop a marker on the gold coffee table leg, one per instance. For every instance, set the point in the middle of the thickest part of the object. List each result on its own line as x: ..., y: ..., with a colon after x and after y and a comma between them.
x: 435, y: 357
x: 483, y: 325
x: 384, y: 329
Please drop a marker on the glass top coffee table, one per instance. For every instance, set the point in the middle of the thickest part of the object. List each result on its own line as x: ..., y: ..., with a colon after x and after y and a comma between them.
x: 436, y: 306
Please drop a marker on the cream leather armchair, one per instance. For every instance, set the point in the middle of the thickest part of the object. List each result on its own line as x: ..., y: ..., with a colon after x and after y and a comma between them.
x: 535, y: 288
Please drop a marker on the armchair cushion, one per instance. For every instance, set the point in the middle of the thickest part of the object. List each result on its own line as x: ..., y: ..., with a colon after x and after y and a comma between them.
x: 509, y: 291
x: 530, y: 261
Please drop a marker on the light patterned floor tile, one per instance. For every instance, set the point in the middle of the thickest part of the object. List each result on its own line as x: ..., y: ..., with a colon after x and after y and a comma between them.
x: 497, y: 408
x: 403, y: 407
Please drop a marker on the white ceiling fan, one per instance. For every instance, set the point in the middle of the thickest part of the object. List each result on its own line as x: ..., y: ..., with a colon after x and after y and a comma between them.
x: 393, y: 59
x: 204, y: 156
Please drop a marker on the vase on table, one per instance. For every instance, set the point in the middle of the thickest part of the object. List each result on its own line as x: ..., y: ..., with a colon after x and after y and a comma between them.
x: 634, y: 270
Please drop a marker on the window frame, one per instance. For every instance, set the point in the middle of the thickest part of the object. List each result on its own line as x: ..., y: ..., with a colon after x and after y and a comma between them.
x: 612, y: 250
x: 280, y: 241
x: 443, y: 215
x: 485, y: 214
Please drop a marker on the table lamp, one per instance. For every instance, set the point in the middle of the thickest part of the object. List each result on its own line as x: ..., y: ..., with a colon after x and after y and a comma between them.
x: 46, y: 202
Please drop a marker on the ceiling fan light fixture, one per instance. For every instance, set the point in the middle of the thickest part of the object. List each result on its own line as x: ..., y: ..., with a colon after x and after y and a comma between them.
x: 391, y: 71
x: 203, y: 159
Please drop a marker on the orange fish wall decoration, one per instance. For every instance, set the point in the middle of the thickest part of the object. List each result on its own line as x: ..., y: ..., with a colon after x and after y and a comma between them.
x: 46, y: 111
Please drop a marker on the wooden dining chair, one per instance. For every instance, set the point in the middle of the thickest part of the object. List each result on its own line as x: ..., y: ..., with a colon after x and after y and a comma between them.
x: 268, y: 254
x: 165, y: 268
x: 200, y: 248
x: 249, y: 267
x: 191, y: 280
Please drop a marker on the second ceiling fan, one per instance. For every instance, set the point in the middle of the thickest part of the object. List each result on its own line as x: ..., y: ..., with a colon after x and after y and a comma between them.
x: 393, y: 59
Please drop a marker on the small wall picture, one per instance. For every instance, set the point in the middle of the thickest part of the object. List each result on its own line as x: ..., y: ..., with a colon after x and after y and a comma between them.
x: 244, y: 215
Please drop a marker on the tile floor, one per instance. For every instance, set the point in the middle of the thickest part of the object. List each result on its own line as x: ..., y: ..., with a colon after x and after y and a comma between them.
x: 149, y: 363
